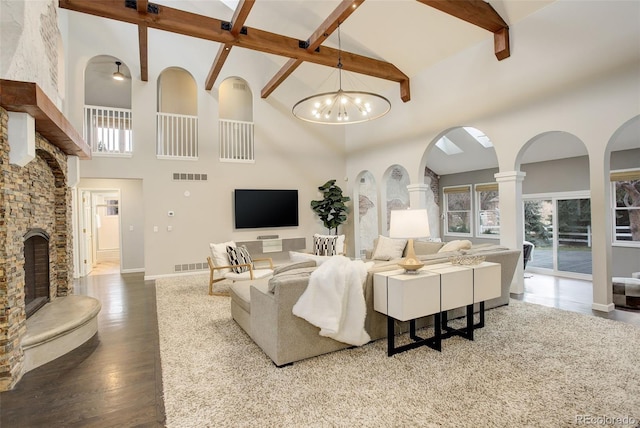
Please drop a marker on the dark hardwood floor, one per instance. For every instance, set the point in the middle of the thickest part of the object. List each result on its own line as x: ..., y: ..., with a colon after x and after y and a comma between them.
x: 114, y: 380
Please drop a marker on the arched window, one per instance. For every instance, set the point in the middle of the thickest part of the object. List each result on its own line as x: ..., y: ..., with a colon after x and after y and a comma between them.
x: 177, y: 133
x: 236, y: 121
x: 107, y: 111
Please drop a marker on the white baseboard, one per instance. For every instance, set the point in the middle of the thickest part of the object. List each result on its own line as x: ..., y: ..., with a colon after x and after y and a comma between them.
x: 172, y: 275
x: 136, y: 270
x: 603, y: 308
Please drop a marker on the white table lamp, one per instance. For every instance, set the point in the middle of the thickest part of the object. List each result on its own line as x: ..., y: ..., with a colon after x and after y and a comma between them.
x: 409, y: 224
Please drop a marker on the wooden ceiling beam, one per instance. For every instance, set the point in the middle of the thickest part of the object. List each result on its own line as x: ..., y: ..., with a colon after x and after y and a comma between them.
x: 203, y: 27
x: 481, y: 14
x: 141, y: 7
x: 322, y: 33
x: 144, y: 53
x: 237, y: 22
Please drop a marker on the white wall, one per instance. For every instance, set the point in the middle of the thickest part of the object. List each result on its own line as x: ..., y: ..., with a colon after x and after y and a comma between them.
x: 289, y: 154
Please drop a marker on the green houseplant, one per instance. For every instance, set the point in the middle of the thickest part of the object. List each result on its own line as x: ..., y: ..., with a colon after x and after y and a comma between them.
x: 331, y: 209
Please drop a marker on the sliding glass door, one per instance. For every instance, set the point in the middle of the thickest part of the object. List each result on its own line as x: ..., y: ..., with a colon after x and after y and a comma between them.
x: 560, y: 228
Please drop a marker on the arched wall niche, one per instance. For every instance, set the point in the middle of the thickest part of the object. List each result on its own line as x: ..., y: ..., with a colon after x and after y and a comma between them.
x: 366, y: 210
x: 396, y: 195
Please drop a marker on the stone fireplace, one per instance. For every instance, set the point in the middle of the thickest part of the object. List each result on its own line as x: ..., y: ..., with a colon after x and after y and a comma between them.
x: 36, y: 259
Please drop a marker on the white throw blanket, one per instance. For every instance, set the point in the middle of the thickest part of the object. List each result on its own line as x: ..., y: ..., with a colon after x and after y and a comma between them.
x: 334, y: 300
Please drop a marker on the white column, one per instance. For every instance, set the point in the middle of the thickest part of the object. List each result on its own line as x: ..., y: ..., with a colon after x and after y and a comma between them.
x: 601, y: 222
x: 512, y: 220
x: 417, y: 195
x: 421, y: 196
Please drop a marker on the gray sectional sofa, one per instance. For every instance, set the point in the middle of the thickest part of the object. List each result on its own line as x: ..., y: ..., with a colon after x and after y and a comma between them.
x: 263, y: 307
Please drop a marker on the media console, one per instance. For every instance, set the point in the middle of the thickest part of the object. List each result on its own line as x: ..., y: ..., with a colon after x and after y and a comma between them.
x: 277, y: 249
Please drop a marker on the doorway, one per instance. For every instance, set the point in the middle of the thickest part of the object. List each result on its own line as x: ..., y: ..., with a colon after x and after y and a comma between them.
x: 100, y: 227
x: 559, y: 227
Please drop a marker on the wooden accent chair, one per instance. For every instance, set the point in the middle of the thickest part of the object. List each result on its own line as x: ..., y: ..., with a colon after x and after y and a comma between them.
x: 220, y: 268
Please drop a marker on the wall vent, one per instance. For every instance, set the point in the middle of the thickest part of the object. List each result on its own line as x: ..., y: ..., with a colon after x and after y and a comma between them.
x: 240, y: 86
x: 186, y: 267
x: 189, y: 176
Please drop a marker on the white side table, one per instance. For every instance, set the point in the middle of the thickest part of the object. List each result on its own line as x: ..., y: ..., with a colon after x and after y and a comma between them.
x: 464, y: 285
x: 406, y: 297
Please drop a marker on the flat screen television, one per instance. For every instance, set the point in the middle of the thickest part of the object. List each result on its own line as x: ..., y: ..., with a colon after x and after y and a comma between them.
x: 260, y: 208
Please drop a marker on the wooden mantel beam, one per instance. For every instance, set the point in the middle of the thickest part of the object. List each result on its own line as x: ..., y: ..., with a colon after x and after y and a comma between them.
x: 27, y: 97
x: 207, y: 28
x: 342, y: 12
x: 239, y: 17
x: 480, y: 13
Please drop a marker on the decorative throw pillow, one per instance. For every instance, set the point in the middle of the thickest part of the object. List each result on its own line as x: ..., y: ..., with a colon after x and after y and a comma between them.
x: 339, y: 243
x: 423, y: 248
x: 325, y: 245
x: 456, y: 245
x: 219, y: 255
x: 239, y: 256
x: 388, y: 248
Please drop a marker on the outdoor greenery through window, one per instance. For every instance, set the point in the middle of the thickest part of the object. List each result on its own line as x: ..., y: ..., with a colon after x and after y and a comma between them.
x: 458, y: 206
x: 488, y: 202
x: 626, y: 206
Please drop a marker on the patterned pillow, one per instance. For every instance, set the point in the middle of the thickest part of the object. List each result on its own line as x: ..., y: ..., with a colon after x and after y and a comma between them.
x: 239, y: 256
x: 325, y: 245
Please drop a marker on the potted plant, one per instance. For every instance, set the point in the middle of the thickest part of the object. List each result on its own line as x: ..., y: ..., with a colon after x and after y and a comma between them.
x: 331, y: 209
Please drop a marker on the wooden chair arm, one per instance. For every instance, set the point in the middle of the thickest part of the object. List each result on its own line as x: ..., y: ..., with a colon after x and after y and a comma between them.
x: 265, y: 259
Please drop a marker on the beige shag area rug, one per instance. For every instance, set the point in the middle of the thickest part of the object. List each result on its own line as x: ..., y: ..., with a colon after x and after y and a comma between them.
x: 531, y: 366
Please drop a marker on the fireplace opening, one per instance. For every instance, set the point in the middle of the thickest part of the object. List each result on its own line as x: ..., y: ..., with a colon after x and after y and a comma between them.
x: 36, y: 270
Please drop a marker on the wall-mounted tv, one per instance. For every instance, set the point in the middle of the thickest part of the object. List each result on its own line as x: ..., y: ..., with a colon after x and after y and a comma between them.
x: 260, y: 208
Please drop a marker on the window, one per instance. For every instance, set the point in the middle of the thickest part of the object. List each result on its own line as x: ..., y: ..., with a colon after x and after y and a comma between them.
x: 626, y: 207
x: 112, y: 206
x: 488, y: 207
x: 458, y: 210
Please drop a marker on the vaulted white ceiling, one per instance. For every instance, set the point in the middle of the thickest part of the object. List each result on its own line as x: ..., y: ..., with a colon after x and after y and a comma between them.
x: 558, y: 48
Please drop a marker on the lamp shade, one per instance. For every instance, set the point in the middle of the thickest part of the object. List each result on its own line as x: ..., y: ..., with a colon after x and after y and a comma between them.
x: 409, y: 224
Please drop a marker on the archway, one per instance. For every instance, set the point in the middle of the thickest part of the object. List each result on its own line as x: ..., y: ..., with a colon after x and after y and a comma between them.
x: 108, y: 119
x: 557, y: 204
x: 236, y: 121
x: 177, y: 115
x: 624, y: 164
x: 454, y: 166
